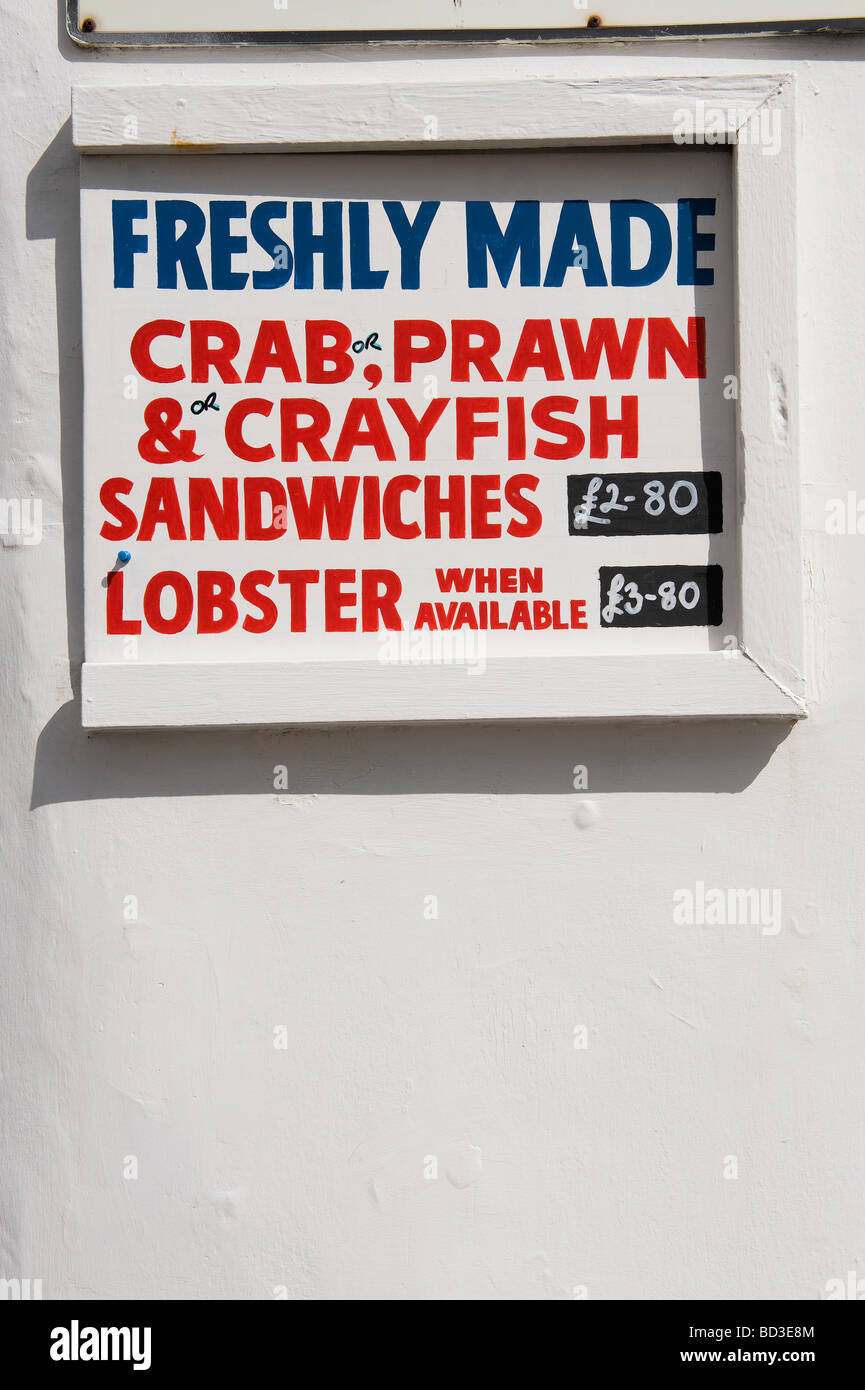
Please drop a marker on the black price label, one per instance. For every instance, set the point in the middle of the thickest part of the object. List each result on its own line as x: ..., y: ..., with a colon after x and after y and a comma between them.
x: 645, y: 504
x: 662, y: 596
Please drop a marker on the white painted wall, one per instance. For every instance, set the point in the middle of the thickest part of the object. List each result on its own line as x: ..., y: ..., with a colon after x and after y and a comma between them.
x: 406, y: 1037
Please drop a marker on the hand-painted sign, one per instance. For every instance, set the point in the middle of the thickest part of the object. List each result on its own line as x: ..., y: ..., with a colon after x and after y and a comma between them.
x: 407, y: 408
x: 184, y: 19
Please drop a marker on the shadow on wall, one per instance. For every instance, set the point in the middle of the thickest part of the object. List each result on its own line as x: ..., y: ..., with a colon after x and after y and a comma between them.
x: 527, y: 759
x: 52, y: 215
x: 401, y: 760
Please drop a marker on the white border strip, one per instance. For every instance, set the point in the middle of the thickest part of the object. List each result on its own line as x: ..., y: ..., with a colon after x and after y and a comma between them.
x: 134, y: 695
x: 377, y: 115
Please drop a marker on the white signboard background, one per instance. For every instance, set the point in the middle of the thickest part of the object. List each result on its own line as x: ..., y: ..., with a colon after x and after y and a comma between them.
x: 214, y: 16
x: 684, y: 424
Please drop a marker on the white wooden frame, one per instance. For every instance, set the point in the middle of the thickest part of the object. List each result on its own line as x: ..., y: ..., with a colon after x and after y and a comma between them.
x: 766, y: 678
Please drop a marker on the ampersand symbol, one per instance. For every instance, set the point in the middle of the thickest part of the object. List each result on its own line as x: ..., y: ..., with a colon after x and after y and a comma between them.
x: 160, y: 444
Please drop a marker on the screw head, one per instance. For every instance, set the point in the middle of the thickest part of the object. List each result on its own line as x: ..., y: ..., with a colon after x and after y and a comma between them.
x: 87, y: 26
x: 594, y: 21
